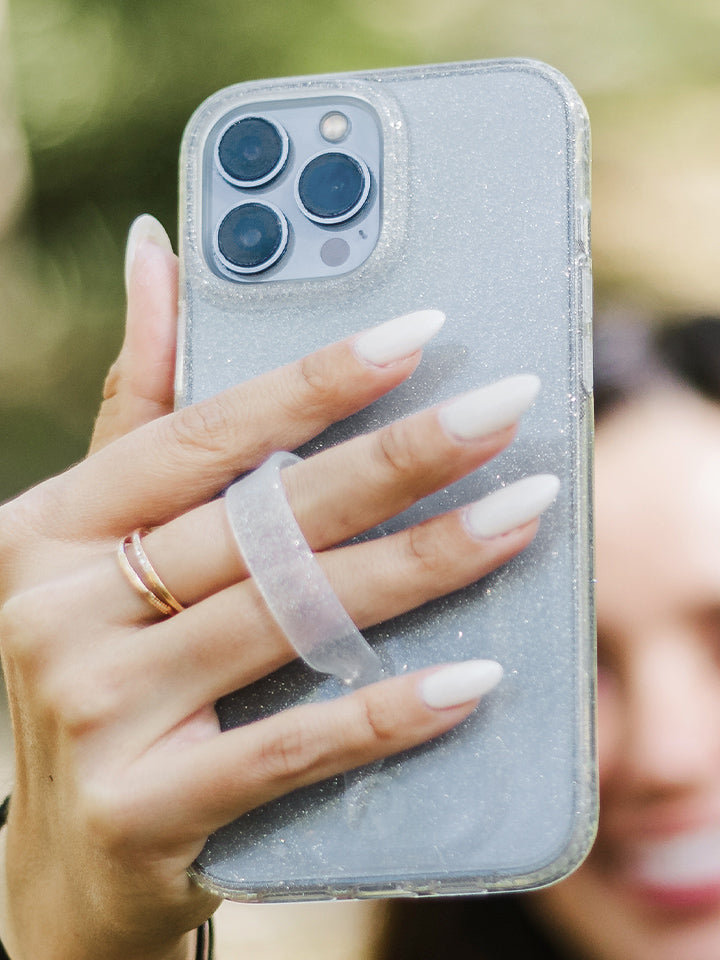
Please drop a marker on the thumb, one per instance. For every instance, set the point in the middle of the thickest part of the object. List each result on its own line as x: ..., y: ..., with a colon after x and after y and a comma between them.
x: 139, y: 385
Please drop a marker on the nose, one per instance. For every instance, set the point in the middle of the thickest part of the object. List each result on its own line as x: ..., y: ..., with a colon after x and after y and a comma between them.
x: 669, y: 739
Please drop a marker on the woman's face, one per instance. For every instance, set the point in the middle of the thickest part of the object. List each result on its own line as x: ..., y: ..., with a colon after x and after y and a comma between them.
x: 650, y: 889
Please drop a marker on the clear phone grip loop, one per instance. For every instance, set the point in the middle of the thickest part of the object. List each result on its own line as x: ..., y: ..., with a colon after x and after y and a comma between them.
x: 299, y: 595
x: 291, y: 581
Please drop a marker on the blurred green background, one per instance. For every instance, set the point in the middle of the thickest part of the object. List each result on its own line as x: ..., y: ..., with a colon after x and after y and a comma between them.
x: 94, y: 95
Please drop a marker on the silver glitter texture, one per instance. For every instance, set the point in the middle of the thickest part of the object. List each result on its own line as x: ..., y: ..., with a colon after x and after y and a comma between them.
x: 485, y: 208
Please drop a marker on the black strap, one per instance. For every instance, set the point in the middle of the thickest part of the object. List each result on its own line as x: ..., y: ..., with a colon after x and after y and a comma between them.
x: 205, y: 936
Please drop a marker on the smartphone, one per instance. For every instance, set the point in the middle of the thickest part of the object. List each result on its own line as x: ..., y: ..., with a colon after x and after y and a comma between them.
x: 312, y: 208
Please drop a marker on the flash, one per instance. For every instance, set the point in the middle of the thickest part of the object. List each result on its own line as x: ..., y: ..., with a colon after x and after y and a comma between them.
x: 334, y: 126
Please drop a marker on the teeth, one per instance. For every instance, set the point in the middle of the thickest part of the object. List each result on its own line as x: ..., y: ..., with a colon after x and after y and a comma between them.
x: 689, y: 859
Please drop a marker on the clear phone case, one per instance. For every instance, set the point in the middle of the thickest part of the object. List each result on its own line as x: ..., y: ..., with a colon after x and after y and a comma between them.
x: 482, y: 211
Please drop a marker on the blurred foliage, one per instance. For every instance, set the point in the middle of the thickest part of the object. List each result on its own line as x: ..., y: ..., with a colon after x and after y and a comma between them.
x: 105, y: 87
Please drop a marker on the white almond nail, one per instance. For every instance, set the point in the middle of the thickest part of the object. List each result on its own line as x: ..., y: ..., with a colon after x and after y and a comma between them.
x: 484, y: 411
x: 460, y: 683
x: 512, y: 506
x: 399, y: 338
x: 144, y: 227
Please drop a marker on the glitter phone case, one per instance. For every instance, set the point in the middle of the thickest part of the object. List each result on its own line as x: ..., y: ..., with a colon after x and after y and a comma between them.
x: 477, y: 203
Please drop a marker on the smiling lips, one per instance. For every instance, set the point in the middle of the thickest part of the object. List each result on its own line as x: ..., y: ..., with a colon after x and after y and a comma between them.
x: 682, y: 870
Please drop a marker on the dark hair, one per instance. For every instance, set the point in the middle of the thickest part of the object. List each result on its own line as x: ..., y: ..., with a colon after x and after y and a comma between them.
x: 493, y: 927
x: 631, y: 357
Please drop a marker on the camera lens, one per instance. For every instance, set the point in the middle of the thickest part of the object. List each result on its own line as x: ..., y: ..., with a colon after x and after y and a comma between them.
x: 252, y: 151
x: 252, y: 237
x: 332, y: 187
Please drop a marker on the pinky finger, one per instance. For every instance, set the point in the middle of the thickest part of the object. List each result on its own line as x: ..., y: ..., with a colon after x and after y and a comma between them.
x: 244, y: 768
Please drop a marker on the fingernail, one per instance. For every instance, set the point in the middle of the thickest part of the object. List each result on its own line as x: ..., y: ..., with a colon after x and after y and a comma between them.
x: 511, y: 507
x: 460, y: 683
x: 399, y: 338
x: 145, y: 227
x: 488, y: 409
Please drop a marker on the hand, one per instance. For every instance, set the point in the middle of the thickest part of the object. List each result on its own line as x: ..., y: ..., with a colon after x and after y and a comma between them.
x: 121, y: 769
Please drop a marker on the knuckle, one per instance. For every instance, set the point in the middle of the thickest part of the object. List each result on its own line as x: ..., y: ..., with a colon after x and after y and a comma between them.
x: 31, y: 524
x: 292, y: 755
x: 420, y: 552
x: 367, y: 729
x: 375, y: 723
x: 107, y: 817
x: 25, y: 632
x: 35, y: 662
x: 399, y: 456
x: 83, y: 705
x: 314, y: 388
x: 205, y: 427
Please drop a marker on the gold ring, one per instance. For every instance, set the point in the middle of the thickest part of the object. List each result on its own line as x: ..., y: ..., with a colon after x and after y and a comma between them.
x: 143, y: 577
x: 151, y: 579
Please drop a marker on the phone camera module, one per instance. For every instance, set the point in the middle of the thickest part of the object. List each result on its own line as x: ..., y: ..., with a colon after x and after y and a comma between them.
x: 291, y: 189
x: 332, y: 187
x: 252, y: 151
x: 251, y: 237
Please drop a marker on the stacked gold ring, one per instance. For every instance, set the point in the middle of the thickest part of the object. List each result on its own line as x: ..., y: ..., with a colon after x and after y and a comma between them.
x: 143, y: 577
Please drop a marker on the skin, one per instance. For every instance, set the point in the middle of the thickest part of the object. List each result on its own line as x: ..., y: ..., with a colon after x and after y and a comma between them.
x: 117, y: 787
x: 658, y: 579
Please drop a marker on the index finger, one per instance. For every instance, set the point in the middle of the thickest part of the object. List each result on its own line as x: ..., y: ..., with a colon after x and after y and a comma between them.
x: 174, y: 463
